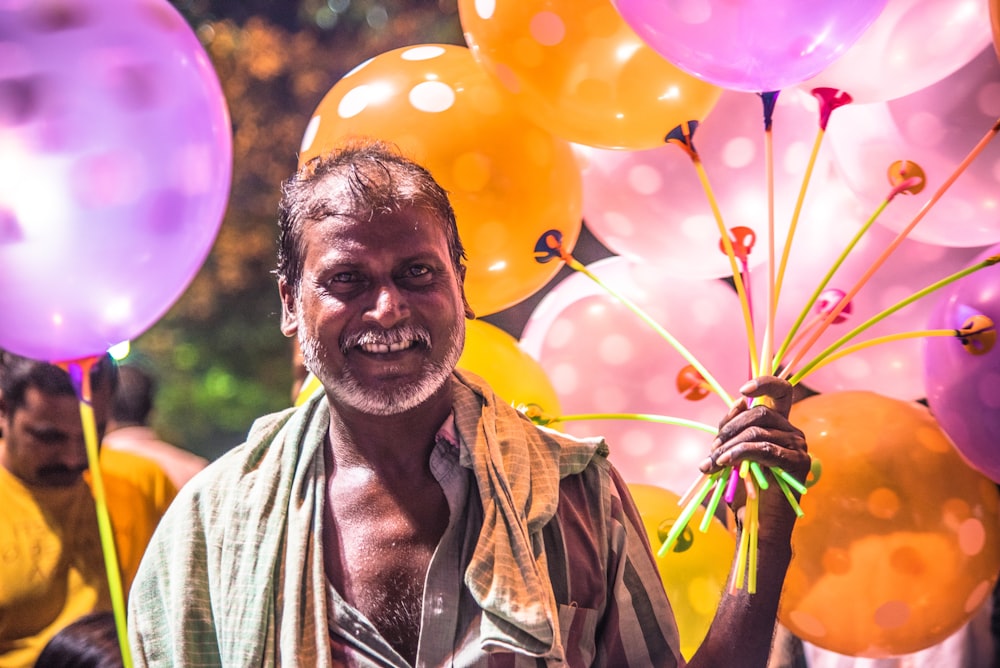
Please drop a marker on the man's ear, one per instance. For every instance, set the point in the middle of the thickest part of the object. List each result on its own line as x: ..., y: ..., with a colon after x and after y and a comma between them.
x: 289, y: 315
x: 469, y: 313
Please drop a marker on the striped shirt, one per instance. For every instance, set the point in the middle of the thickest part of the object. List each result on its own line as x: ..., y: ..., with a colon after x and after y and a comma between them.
x: 612, y: 607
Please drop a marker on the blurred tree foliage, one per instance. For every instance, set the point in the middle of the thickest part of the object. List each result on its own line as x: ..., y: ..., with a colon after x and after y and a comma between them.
x: 219, y: 356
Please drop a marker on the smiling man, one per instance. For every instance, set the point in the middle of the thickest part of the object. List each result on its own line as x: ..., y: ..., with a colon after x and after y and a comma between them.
x: 51, y: 562
x: 408, y: 516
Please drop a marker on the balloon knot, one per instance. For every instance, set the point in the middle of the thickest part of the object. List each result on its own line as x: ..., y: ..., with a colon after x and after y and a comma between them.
x: 691, y: 384
x: 978, y: 334
x: 683, y: 137
x: 769, y: 99
x: 742, y: 239
x: 549, y: 247
x: 829, y: 99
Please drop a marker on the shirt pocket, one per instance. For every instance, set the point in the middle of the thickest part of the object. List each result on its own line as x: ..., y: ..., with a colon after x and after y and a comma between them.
x: 577, y: 628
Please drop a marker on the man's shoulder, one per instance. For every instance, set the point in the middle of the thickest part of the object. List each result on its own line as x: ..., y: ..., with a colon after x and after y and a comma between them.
x: 145, y: 476
x: 239, y: 465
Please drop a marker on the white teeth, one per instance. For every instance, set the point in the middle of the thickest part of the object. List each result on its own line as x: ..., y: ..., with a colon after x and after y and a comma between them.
x: 385, y: 348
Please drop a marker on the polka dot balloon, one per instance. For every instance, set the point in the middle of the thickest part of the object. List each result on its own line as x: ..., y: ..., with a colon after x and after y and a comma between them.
x: 510, y: 181
x: 651, y: 206
x: 900, y: 541
x: 603, y: 359
x: 963, y: 381
x: 580, y: 71
x: 115, y: 165
x: 935, y: 127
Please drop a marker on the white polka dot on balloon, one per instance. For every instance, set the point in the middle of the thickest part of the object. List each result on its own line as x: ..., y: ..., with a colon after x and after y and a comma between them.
x: 424, y: 52
x: 432, y: 96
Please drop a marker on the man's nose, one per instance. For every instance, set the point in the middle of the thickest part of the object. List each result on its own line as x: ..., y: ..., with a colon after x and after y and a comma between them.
x: 389, y: 308
x: 74, y: 454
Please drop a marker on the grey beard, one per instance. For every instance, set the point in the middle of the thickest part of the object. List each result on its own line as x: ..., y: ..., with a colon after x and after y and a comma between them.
x: 349, y: 391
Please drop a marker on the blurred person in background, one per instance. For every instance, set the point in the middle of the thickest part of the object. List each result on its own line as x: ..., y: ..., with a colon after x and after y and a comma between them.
x: 52, y: 570
x: 129, y: 428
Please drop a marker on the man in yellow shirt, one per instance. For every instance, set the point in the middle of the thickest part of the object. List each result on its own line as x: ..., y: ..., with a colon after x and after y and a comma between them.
x: 51, y: 562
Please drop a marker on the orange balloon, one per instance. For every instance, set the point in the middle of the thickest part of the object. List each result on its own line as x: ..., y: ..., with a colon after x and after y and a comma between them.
x: 514, y: 375
x: 694, y: 573
x: 510, y: 181
x: 580, y: 71
x: 900, y: 542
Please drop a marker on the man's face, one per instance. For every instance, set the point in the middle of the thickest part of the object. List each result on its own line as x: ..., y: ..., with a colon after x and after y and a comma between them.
x: 43, y: 440
x: 380, y: 311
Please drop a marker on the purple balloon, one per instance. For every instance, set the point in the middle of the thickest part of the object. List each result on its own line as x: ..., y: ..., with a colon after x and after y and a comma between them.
x: 963, y: 389
x: 751, y: 45
x: 115, y: 167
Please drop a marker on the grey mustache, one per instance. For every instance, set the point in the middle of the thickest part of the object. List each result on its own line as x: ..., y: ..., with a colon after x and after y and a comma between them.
x: 386, y: 337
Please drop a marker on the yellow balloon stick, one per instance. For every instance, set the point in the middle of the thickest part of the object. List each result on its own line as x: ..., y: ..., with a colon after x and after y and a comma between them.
x: 646, y: 417
x: 683, y: 137
x: 101, y: 505
x: 772, y: 301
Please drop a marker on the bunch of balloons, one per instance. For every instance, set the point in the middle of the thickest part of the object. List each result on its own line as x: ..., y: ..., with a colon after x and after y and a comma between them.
x: 690, y: 137
x: 758, y: 171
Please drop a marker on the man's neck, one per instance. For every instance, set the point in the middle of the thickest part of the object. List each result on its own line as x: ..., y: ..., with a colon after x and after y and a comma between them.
x: 388, y: 445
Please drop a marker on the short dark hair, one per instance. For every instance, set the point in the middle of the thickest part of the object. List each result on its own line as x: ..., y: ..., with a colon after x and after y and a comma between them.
x: 89, y: 642
x: 378, y: 178
x: 133, y: 400
x: 18, y: 373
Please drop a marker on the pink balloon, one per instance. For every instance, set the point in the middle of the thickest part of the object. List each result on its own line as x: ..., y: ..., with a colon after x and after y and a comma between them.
x: 651, y: 206
x: 115, y: 166
x: 963, y: 389
x: 751, y: 45
x: 890, y: 369
x: 936, y: 128
x: 602, y: 358
x: 911, y: 45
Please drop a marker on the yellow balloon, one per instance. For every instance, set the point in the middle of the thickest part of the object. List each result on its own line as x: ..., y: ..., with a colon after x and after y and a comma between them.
x: 900, y: 542
x: 515, y: 376
x: 577, y: 69
x: 510, y: 181
x: 309, y: 386
x: 695, y: 572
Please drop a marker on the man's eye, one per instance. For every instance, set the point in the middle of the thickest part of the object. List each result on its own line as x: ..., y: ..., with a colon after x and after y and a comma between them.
x: 47, y: 436
x: 344, y: 277
x: 419, y: 275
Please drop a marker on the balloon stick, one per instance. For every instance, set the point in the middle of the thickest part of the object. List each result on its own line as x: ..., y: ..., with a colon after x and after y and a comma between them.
x: 550, y: 245
x: 829, y: 99
x: 962, y: 166
x: 769, y: 100
x: 753, y: 510
x: 821, y: 362
x: 905, y: 185
x: 713, y: 505
x: 79, y: 371
x: 662, y: 419
x: 824, y: 357
x: 682, y: 136
x: 789, y: 497
x: 685, y: 517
